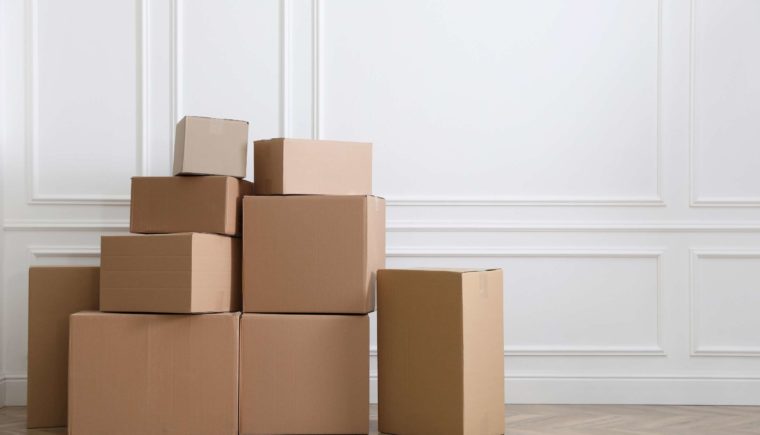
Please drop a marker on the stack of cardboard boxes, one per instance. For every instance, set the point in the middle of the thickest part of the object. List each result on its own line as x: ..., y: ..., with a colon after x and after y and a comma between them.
x: 313, y: 240
x: 165, y: 350
x: 168, y: 350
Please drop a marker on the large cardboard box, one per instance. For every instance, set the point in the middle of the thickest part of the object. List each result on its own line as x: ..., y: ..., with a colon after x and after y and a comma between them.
x: 54, y: 293
x: 312, y: 254
x: 187, y: 204
x: 304, y: 374
x: 153, y: 374
x: 210, y: 146
x: 313, y: 167
x: 440, y: 352
x: 170, y: 273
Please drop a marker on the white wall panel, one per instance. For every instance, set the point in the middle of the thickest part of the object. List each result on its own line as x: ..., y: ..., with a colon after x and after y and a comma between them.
x: 725, y: 298
x: 443, y: 88
x: 726, y: 103
x: 85, y: 98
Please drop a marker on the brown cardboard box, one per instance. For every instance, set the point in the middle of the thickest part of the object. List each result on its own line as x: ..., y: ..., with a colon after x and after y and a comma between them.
x: 312, y: 254
x: 187, y: 204
x: 210, y: 146
x: 304, y: 374
x: 313, y: 167
x: 440, y: 335
x: 54, y: 294
x: 153, y: 374
x: 170, y: 273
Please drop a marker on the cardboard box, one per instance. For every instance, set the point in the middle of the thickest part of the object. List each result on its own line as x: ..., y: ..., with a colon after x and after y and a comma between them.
x: 153, y: 374
x: 304, y: 374
x: 440, y: 335
x: 210, y: 146
x: 170, y: 273
x: 54, y: 293
x: 312, y: 167
x: 312, y: 254
x: 187, y: 204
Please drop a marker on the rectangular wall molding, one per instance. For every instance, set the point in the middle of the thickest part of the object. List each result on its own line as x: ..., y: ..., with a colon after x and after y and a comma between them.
x: 655, y: 200
x: 142, y: 147
x: 695, y: 198
x: 696, y: 348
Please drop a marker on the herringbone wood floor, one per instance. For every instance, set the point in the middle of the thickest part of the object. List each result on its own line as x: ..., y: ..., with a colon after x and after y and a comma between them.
x: 565, y: 420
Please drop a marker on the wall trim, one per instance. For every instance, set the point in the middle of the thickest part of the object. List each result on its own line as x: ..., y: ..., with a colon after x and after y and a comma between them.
x: 142, y: 147
x: 547, y: 226
x: 12, y: 390
x: 77, y: 251
x: 695, y: 200
x: 695, y: 350
x: 525, y: 252
x: 444, y: 226
x: 526, y: 201
x: 65, y: 225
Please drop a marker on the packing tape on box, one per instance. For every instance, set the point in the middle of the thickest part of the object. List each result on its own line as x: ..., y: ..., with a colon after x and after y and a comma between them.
x: 483, y: 284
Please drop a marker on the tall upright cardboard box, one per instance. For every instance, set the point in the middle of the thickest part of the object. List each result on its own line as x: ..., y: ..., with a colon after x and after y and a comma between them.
x: 440, y: 352
x: 153, y: 374
x: 312, y: 254
x: 55, y: 292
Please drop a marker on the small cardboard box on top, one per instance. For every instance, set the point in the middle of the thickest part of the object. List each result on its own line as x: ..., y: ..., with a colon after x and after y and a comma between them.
x: 210, y: 146
x: 304, y: 373
x: 440, y: 335
x: 55, y: 292
x: 208, y: 204
x: 153, y: 374
x: 312, y: 167
x: 170, y: 273
x: 312, y: 254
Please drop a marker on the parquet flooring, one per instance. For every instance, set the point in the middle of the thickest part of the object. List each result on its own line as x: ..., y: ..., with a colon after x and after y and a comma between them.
x: 562, y: 420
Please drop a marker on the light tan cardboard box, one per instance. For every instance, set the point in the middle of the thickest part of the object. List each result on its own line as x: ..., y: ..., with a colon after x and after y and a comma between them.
x: 210, y: 146
x: 153, y: 374
x: 312, y: 254
x: 170, y: 273
x: 304, y: 374
x: 207, y: 204
x: 55, y: 292
x: 440, y: 352
x: 313, y: 167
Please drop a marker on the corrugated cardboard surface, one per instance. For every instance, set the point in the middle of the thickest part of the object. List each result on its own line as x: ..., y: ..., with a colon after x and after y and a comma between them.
x: 301, y: 166
x: 440, y: 335
x: 153, y: 374
x: 312, y: 254
x: 203, y: 204
x: 170, y: 273
x: 209, y: 146
x: 54, y: 294
x: 304, y: 374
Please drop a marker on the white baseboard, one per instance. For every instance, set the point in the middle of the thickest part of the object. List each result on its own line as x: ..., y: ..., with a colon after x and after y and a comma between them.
x: 13, y: 390
x: 661, y: 390
x: 629, y: 390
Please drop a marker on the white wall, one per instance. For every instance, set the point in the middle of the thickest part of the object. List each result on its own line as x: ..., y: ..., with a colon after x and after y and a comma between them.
x: 603, y: 152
